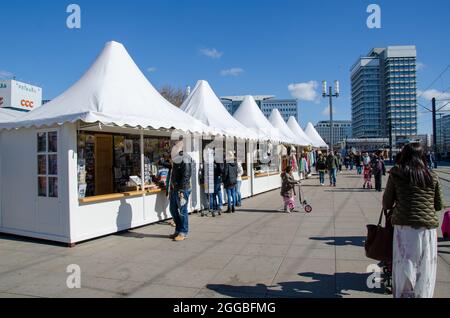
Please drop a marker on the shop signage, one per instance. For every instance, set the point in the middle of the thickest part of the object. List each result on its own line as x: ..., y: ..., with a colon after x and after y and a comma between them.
x: 20, y: 95
x: 26, y: 103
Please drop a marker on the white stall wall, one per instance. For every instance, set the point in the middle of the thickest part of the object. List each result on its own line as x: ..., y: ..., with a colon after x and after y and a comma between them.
x: 23, y: 212
x: 265, y: 184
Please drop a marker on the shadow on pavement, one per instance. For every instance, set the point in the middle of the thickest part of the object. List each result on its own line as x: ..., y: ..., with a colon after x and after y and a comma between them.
x: 140, y: 235
x: 22, y: 239
x: 320, y: 286
x: 342, y: 241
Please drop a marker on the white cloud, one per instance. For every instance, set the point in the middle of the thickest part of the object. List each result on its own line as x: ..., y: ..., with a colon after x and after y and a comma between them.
x: 235, y: 71
x: 420, y: 66
x: 5, y: 74
x: 326, y: 111
x: 441, y: 97
x: 211, y: 53
x: 151, y: 69
x: 304, y: 91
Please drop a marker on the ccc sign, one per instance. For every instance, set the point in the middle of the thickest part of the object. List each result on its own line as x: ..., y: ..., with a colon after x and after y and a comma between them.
x: 26, y: 103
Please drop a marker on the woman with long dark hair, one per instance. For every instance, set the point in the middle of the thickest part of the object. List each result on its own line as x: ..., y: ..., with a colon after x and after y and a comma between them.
x: 414, y: 195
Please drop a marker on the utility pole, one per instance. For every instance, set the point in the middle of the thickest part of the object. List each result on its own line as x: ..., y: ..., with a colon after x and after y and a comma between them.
x: 390, y: 140
x: 331, y: 95
x: 433, y: 101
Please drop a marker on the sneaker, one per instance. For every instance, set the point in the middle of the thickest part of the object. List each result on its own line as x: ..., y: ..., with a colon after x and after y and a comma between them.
x: 180, y: 238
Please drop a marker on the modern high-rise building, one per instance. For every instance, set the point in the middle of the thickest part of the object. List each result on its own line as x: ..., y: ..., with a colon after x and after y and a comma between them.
x: 342, y: 130
x: 384, y: 93
x: 443, y: 134
x: 267, y: 103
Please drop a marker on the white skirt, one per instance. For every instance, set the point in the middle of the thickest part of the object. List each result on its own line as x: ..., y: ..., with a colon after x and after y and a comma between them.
x: 414, y: 262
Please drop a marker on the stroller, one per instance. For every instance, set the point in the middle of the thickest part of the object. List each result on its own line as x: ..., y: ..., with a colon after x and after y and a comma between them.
x: 303, y: 202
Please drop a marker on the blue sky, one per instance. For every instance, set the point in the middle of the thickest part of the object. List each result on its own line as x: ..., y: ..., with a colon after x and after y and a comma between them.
x: 240, y: 47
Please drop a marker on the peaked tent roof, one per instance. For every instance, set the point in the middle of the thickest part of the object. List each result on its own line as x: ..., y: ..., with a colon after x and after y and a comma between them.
x: 251, y: 117
x: 300, y: 135
x: 312, y: 133
x: 204, y: 105
x: 114, y: 92
x: 278, y: 122
x: 7, y: 115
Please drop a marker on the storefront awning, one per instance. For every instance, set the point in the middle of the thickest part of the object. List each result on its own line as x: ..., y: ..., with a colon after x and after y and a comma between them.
x: 112, y: 92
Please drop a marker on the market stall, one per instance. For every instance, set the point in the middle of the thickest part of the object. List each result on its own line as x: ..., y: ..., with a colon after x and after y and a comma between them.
x: 204, y: 105
x: 305, y: 154
x: 87, y: 164
x: 265, y: 155
x: 312, y: 133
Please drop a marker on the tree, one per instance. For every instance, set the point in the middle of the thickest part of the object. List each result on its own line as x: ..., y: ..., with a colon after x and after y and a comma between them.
x: 176, y: 96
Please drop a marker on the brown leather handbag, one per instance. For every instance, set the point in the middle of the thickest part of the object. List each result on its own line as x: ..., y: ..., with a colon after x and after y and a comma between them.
x: 379, y: 243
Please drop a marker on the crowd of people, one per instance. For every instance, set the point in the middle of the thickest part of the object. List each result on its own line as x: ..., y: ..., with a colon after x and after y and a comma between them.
x: 369, y: 166
x: 413, y: 195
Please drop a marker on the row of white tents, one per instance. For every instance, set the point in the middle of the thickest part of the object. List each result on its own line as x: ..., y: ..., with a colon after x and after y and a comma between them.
x: 115, y: 92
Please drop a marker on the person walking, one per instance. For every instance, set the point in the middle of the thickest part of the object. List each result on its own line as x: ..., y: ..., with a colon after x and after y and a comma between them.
x: 378, y: 169
x: 332, y: 166
x: 351, y: 161
x: 413, y: 193
x: 217, y: 196
x: 340, y: 161
x: 367, y: 173
x: 180, y: 191
x: 230, y: 174
x: 240, y: 173
x: 358, y: 163
x: 321, y: 167
x: 164, y: 175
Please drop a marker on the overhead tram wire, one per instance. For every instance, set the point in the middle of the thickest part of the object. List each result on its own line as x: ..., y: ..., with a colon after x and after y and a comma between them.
x: 437, y: 78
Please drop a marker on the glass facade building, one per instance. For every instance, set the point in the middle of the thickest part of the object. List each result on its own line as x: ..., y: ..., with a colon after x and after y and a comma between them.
x: 267, y: 103
x: 342, y: 130
x: 384, y: 93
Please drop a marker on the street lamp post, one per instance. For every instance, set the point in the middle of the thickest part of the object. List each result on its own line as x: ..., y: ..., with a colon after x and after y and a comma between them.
x: 330, y: 95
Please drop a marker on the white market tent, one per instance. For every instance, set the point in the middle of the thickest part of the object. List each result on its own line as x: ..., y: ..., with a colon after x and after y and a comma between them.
x: 112, y: 92
x: 204, y: 105
x: 312, y: 133
x: 251, y: 117
x: 7, y: 115
x: 301, y: 137
x: 278, y: 122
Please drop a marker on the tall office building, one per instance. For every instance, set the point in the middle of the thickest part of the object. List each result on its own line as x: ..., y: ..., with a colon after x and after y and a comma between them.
x: 384, y: 96
x: 342, y: 130
x: 267, y: 103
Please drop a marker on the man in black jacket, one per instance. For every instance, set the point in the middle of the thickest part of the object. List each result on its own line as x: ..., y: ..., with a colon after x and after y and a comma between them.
x: 379, y: 169
x: 180, y: 190
x: 229, y: 181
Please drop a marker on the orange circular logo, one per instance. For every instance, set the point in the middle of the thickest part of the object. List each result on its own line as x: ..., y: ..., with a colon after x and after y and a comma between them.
x: 26, y: 103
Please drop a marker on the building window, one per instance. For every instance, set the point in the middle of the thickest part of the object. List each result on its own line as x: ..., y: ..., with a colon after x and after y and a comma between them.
x: 47, y: 159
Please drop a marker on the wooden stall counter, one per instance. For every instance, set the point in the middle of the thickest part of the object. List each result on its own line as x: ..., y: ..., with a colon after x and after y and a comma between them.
x: 119, y: 196
x: 266, y: 174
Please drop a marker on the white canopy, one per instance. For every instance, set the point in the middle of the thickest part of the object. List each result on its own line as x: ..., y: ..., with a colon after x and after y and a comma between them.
x: 7, y: 115
x: 113, y: 92
x: 301, y: 137
x: 312, y: 133
x: 278, y: 122
x: 251, y: 117
x: 204, y: 105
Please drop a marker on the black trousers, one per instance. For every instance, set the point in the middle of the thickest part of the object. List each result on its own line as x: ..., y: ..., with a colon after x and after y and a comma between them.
x: 378, y: 181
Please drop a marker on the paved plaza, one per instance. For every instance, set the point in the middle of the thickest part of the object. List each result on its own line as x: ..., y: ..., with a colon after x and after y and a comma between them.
x: 257, y: 252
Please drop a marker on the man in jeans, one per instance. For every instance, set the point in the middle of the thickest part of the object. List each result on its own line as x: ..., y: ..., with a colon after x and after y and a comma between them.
x: 332, y: 166
x: 180, y: 191
x: 230, y: 180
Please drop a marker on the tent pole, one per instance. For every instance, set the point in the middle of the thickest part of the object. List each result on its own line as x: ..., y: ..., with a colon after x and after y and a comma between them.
x: 142, y: 161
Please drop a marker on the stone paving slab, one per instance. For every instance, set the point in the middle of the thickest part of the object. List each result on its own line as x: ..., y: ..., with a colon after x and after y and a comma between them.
x: 258, y: 252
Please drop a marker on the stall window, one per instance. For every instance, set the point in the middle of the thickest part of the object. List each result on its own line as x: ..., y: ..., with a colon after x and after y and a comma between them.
x: 47, y: 159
